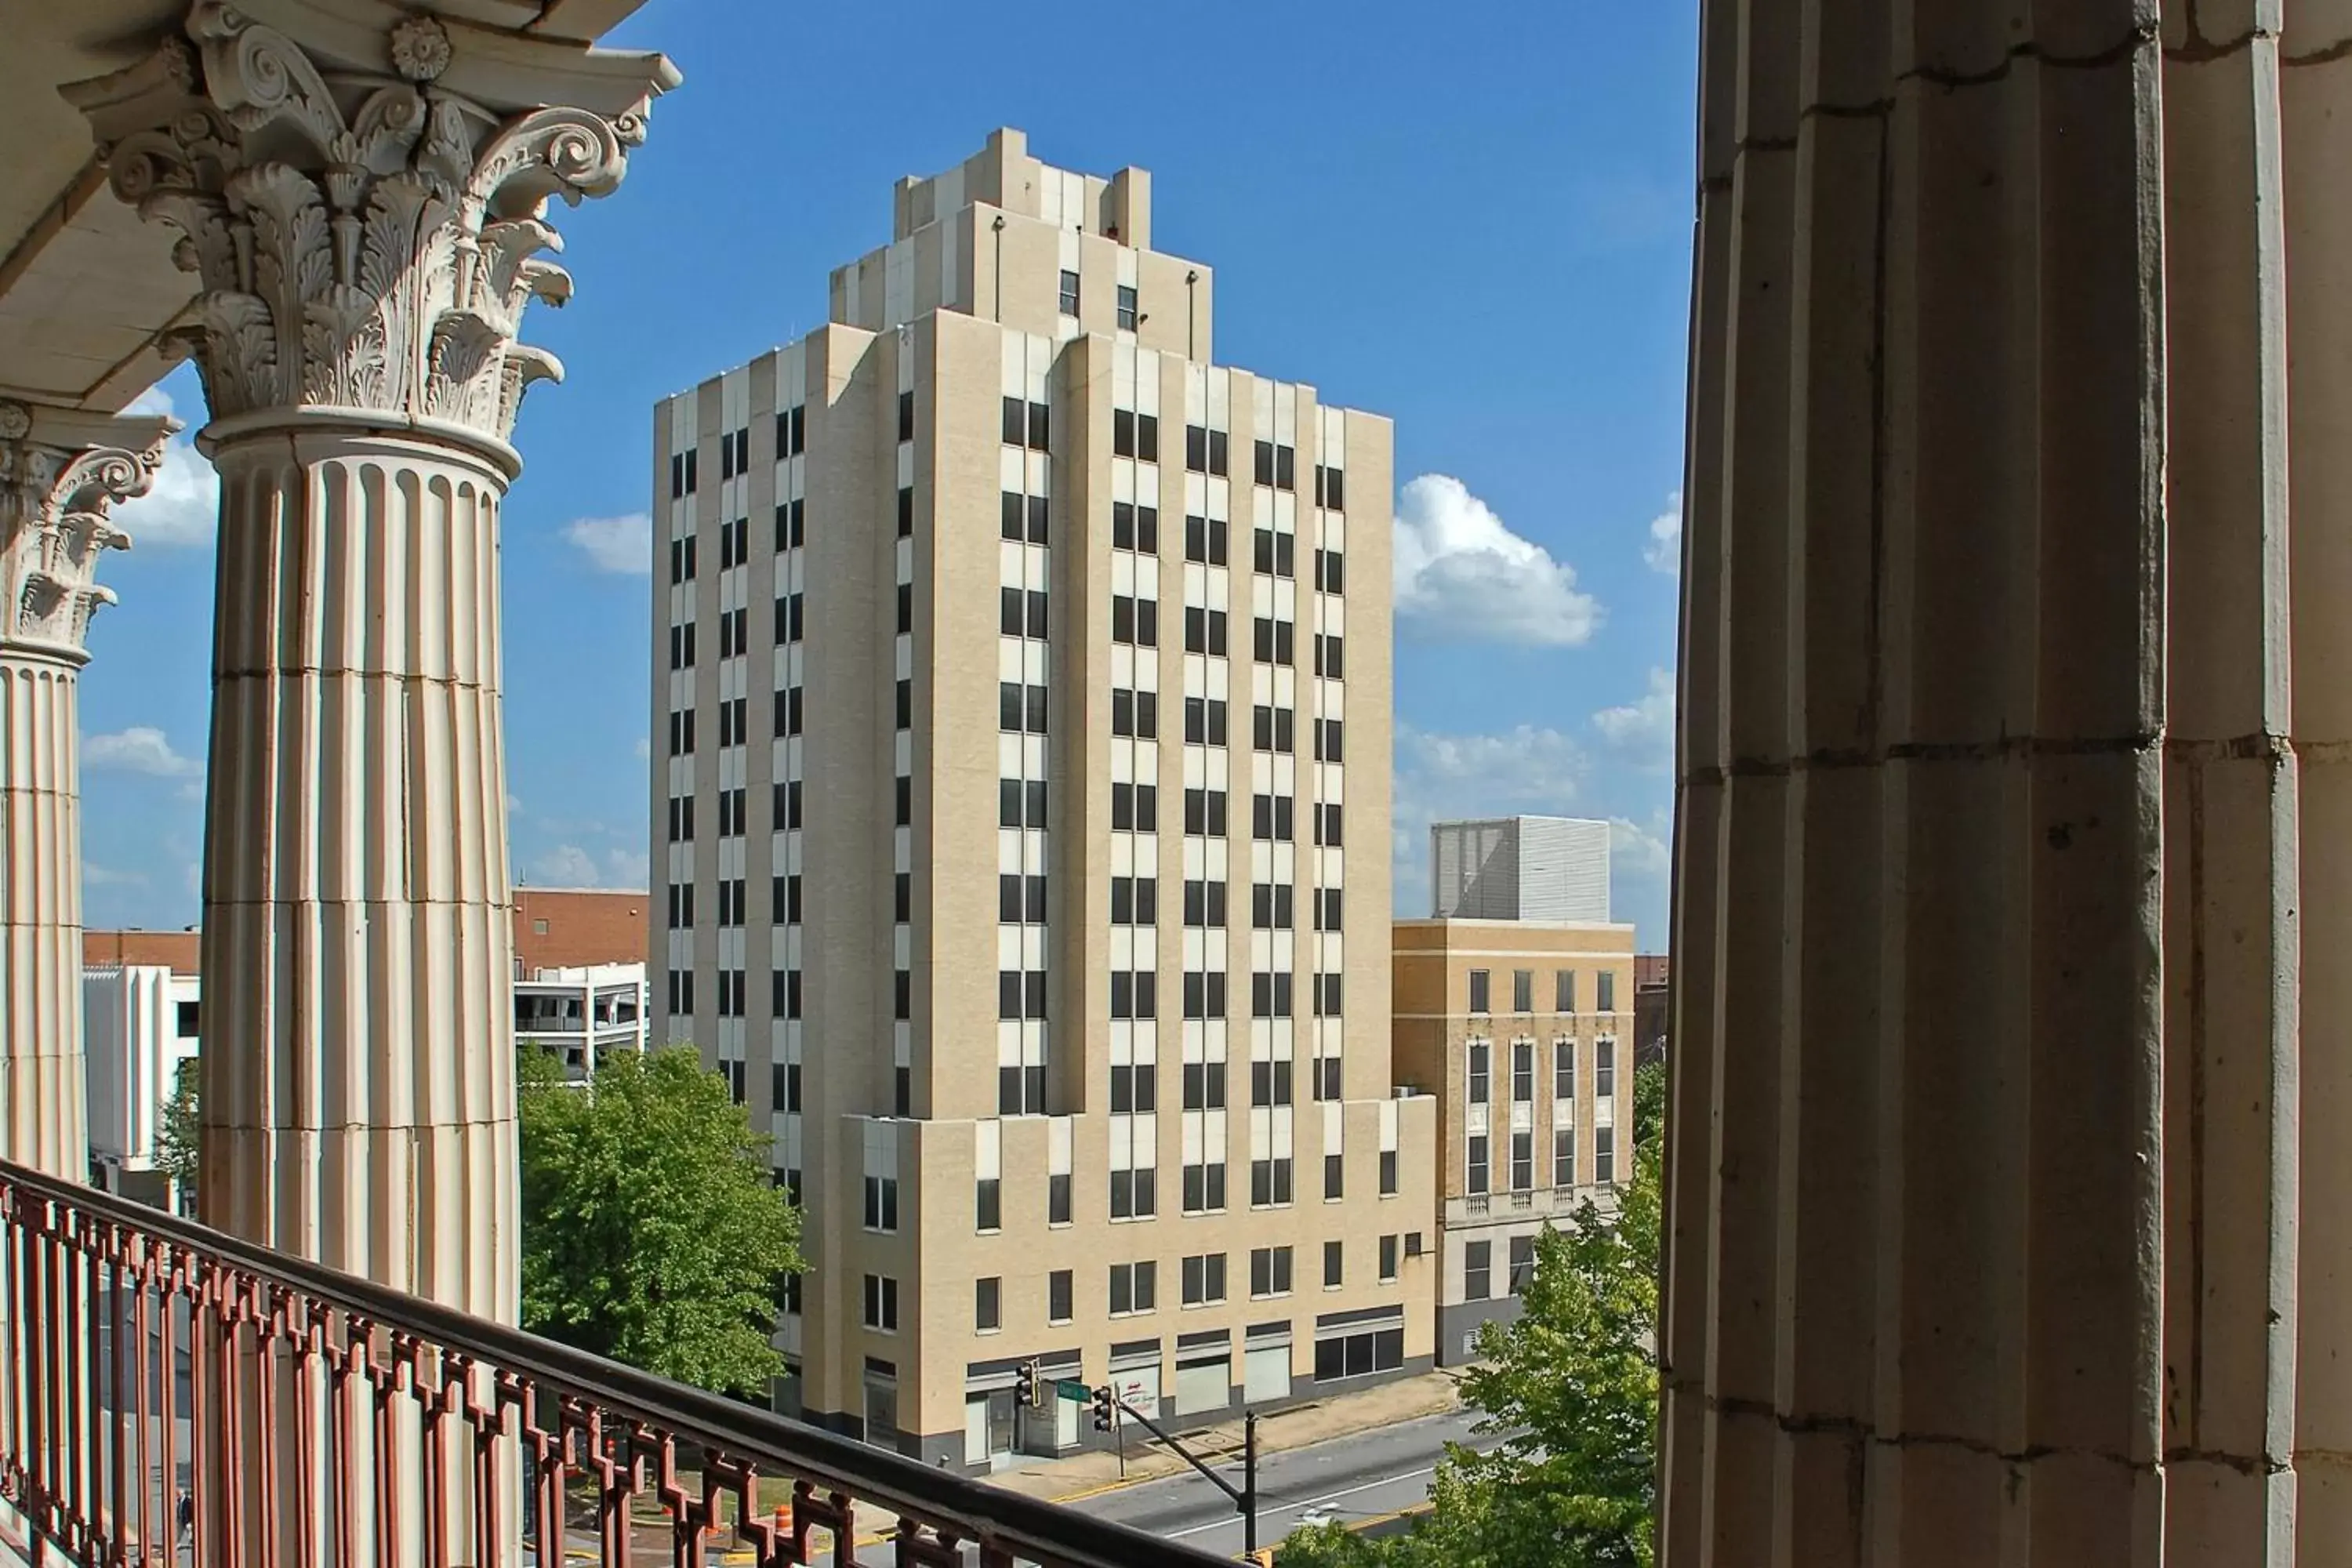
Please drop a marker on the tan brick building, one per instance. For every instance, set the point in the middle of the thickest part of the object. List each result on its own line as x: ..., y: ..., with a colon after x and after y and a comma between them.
x: 1022, y: 727
x: 1522, y: 1031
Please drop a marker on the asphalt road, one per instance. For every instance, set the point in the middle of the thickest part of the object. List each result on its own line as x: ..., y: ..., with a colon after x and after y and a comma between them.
x: 1346, y: 1478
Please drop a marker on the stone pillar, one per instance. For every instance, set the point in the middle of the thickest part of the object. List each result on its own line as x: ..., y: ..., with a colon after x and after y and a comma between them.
x: 60, y: 471
x: 366, y: 213
x: 2002, y: 811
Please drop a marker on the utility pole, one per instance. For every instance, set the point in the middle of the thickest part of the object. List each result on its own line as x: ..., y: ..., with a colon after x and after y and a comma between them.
x: 1109, y: 1405
x: 1249, y: 1482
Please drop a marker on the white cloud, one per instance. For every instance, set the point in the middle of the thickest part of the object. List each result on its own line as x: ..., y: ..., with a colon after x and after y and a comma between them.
x: 141, y: 749
x: 571, y: 865
x: 94, y: 874
x: 1665, y: 551
x: 182, y: 506
x: 565, y: 865
x: 614, y: 543
x: 1461, y: 574
x: 1530, y: 769
x: 1638, y: 851
x: 1643, y: 731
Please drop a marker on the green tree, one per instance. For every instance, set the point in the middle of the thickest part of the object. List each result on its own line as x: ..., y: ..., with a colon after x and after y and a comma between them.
x: 1572, y: 1387
x: 177, y: 1131
x: 651, y: 1231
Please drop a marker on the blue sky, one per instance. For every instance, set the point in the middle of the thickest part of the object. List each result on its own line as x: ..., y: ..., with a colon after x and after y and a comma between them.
x: 1478, y: 225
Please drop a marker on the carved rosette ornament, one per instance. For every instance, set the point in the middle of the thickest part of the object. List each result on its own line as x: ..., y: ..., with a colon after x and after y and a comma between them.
x: 367, y: 239
x: 61, y: 472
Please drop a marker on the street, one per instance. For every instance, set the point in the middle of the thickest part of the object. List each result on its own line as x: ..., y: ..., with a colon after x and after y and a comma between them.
x: 1346, y: 1478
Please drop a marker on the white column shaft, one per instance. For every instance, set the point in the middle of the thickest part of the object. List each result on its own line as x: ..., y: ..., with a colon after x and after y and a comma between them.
x: 359, y: 1079
x: 43, y: 1118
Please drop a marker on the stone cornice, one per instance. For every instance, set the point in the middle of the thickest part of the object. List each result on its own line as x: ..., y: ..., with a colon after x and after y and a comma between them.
x: 366, y: 234
x: 61, y: 471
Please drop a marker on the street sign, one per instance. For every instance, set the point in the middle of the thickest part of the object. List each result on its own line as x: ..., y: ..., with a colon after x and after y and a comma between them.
x: 1071, y: 1389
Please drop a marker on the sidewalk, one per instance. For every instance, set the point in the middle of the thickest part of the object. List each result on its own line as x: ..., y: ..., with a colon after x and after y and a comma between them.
x: 1098, y: 1471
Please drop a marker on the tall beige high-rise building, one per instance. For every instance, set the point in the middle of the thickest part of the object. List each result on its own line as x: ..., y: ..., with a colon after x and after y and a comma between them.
x: 1022, y: 727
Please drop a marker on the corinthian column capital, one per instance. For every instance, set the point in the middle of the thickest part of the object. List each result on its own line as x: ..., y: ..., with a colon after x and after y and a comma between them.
x: 61, y: 471
x: 363, y: 191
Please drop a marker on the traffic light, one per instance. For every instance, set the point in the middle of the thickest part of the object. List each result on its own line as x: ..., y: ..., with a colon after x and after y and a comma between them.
x: 1103, y: 1408
x: 1028, y: 1390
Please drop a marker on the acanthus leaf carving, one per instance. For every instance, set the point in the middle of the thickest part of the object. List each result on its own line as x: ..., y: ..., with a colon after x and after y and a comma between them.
x: 364, y: 241
x: 61, y: 472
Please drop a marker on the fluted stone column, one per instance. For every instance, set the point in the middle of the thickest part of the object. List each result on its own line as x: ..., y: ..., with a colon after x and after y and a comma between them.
x: 2010, y: 1194
x: 60, y: 471
x: 366, y: 211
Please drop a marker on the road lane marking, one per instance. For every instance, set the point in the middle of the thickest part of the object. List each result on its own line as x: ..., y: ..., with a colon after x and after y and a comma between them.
x: 1306, y: 1503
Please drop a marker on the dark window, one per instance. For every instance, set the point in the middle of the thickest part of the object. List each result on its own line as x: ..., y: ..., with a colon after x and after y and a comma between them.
x: 1126, y: 317
x: 902, y: 897
x: 1604, y: 985
x: 1016, y: 422
x: 1135, y: 527
x: 906, y: 606
x: 1205, y: 903
x: 1205, y: 721
x: 1122, y: 433
x: 1334, y: 1176
x: 1057, y: 1200
x: 1037, y: 429
x: 1604, y: 1154
x: 1270, y: 1272
x: 1204, y: 813
x: 1328, y: 747
x: 1069, y: 302
x: 902, y: 794
x: 905, y: 511
x: 1388, y: 1257
x: 1388, y: 1173
x: 1523, y: 1263
x: 1204, y: 994
x: 1330, y: 571
x: 988, y: 1305
x: 1523, y: 1161
x: 1204, y: 630
x: 1203, y: 1278
x: 1331, y: 656
x: 1057, y: 1296
x: 988, y: 1204
x: 1273, y: 641
x: 1013, y: 508
x: 1331, y: 488
x: 1478, y: 990
x: 1274, y: 553
x: 1477, y: 1269
x: 906, y: 416
x: 1204, y: 541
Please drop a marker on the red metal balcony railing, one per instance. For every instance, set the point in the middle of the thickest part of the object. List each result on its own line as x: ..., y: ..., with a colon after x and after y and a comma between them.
x: 310, y: 1419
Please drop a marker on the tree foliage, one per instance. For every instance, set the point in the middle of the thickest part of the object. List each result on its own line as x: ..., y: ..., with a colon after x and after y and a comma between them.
x: 1571, y: 1390
x: 651, y: 1232
x: 177, y: 1129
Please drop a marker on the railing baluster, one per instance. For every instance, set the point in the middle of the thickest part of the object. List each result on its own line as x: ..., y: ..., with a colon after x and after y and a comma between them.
x: 205, y: 1480
x: 401, y: 1416
x: 301, y: 1327
x: 142, y: 1268
x: 343, y: 1477
x: 118, y: 1400
x: 168, y: 1394
x: 257, y: 1308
